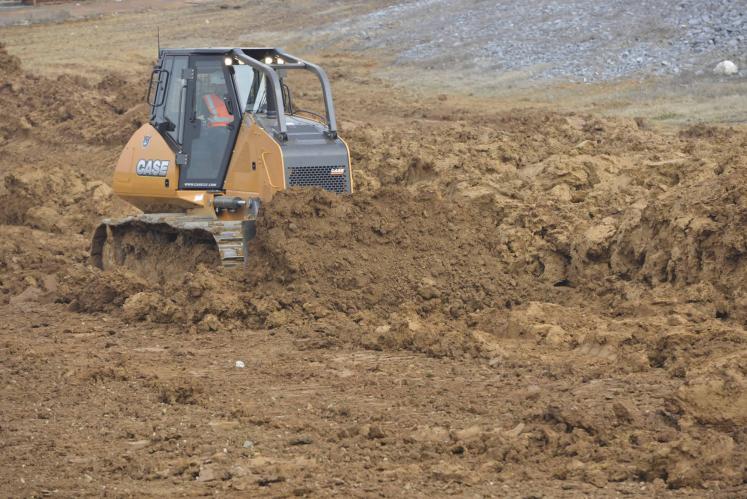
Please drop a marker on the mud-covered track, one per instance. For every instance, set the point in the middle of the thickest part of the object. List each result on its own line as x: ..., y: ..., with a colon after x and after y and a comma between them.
x: 166, y: 245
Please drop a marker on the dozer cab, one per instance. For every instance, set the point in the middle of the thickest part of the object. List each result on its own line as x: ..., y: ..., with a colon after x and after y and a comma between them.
x: 224, y: 136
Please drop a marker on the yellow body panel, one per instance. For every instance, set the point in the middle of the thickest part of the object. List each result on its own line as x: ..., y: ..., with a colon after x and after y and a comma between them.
x: 152, y: 193
x: 256, y: 163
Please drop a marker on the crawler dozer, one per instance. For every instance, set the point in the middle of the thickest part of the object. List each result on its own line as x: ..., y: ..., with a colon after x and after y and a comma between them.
x: 224, y: 136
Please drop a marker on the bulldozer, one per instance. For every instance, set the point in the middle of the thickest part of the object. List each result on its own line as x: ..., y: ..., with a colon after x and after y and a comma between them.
x: 224, y: 136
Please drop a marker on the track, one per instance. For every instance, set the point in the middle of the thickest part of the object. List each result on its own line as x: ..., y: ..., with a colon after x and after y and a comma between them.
x: 167, y: 244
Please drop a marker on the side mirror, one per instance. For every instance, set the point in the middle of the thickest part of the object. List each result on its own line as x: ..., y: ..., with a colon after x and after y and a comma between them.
x: 165, y: 126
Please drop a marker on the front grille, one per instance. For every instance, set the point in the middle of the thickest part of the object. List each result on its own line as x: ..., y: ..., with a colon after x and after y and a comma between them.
x: 319, y: 176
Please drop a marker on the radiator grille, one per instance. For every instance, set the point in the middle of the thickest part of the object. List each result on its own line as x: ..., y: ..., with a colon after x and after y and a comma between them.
x: 332, y: 178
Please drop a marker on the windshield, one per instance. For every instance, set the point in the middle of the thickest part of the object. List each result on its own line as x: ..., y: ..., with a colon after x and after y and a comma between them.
x: 250, y: 86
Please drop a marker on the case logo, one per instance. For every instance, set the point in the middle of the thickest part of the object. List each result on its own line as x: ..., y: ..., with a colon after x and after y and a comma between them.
x: 152, y: 167
x: 337, y: 171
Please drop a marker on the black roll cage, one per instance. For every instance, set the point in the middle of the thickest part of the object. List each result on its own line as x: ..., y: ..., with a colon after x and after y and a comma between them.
x: 254, y: 57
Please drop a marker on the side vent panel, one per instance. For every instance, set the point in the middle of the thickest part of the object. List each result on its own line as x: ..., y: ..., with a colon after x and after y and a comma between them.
x: 334, y: 178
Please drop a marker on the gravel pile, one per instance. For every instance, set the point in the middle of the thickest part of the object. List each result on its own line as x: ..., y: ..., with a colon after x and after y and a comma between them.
x: 583, y: 40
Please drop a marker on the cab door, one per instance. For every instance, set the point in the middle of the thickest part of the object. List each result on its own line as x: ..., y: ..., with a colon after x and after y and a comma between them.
x: 212, y: 122
x: 167, y: 106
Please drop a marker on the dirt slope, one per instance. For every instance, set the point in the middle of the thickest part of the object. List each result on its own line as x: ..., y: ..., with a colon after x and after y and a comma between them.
x: 513, y: 301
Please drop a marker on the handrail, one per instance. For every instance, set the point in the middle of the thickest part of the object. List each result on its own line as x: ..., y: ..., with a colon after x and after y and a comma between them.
x: 267, y: 171
x: 277, y: 94
x: 269, y: 72
x: 329, y: 106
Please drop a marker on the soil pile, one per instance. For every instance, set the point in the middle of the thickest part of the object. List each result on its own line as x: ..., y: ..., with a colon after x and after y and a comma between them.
x: 390, y: 269
x: 67, y: 110
x: 693, y: 236
x: 58, y: 139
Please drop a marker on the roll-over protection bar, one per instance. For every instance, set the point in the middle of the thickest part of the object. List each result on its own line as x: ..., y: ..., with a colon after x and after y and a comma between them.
x: 269, y: 70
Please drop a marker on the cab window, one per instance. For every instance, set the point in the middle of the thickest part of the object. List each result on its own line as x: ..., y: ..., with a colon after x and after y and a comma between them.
x: 173, y: 108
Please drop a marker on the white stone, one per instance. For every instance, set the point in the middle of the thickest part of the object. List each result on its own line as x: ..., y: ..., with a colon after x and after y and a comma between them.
x: 240, y: 364
x: 726, y: 68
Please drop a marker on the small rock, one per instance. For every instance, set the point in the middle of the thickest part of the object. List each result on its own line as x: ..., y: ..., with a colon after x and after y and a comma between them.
x: 267, y: 480
x: 304, y: 440
x: 240, y: 364
x: 25, y: 124
x: 194, y: 290
x: 726, y: 68
x: 224, y: 425
x: 383, y: 329
x: 372, y: 432
x: 533, y: 392
x: 448, y: 472
x: 207, y: 474
x: 625, y: 411
x: 556, y: 336
x: 43, y: 218
x: 414, y: 325
x: 30, y: 294
x: 601, y: 233
x: 468, y: 433
x: 428, y: 289
x: 209, y: 323
x: 50, y: 282
x: 139, y: 444
x: 516, y: 430
x: 562, y: 192
x: 248, y: 444
x: 430, y: 434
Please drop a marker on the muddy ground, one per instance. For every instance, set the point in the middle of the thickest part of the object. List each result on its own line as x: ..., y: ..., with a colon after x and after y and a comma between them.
x: 515, y: 302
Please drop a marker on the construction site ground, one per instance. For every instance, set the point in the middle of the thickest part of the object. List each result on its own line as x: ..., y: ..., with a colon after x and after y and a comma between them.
x: 535, y: 291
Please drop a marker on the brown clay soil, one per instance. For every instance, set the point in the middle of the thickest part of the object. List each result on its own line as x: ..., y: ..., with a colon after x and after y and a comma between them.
x: 515, y: 302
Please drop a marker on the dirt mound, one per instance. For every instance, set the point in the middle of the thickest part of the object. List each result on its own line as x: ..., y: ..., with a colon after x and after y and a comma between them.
x: 389, y: 270
x: 387, y: 267
x: 477, y: 227
x: 694, y: 235
x: 31, y: 262
x: 206, y: 299
x: 55, y: 146
x: 68, y: 109
x: 11, y: 64
x: 54, y: 201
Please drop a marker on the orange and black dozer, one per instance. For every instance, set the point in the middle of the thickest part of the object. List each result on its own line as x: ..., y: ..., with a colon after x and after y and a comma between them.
x: 224, y: 136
